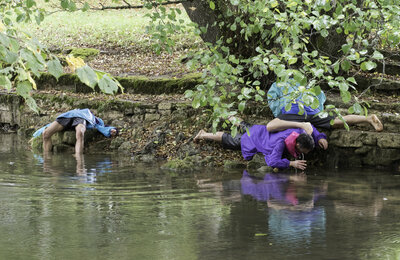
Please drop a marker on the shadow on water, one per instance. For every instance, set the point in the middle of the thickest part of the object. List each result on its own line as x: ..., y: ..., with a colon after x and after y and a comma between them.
x: 103, y: 206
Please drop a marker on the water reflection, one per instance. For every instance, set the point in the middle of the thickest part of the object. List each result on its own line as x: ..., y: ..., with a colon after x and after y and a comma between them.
x: 66, y: 164
x: 105, y: 207
x: 293, y: 212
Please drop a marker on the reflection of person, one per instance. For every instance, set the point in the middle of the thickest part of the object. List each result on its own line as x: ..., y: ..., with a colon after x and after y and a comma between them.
x: 280, y: 191
x: 277, y: 101
x: 78, y: 120
x: 80, y: 164
x: 293, y: 216
x: 256, y: 138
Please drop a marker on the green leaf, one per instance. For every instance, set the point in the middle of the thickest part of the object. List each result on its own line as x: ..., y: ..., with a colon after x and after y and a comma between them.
x: 288, y: 106
x: 346, y: 48
x: 85, y: 7
x: 352, y: 80
x: 5, y: 82
x: 32, y: 104
x: 107, y: 85
x: 64, y: 4
x: 345, y: 64
x: 10, y: 57
x: 346, y: 96
x: 241, y: 106
x: 196, y: 103
x: 235, y: 2
x: 336, y: 67
x: 292, y: 61
x: 357, y: 108
x: 368, y: 65
x: 54, y: 67
x: 212, y: 5
x: 377, y: 55
x: 300, y: 78
x: 24, y: 88
x: 30, y: 3
x: 87, y: 76
x: 234, y: 131
x: 324, y: 33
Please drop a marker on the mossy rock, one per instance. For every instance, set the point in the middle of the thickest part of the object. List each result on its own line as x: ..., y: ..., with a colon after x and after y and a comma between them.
x: 178, y: 165
x: 86, y: 54
x: 37, y: 143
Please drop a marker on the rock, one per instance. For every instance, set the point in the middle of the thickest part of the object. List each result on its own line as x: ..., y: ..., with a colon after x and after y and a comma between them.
x: 257, y: 162
x: 125, y: 147
x: 165, y: 106
x: 146, y: 158
x: 229, y: 164
x: 152, y: 117
x: 116, y: 142
x: 69, y: 137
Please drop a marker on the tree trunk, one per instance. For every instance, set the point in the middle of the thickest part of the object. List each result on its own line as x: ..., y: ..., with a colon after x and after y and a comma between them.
x: 200, y: 12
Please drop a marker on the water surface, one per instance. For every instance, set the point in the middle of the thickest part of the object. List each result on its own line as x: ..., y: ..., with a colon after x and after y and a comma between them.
x: 105, y: 207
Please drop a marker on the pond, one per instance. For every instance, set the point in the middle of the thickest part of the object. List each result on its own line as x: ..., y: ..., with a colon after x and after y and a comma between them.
x: 102, y: 206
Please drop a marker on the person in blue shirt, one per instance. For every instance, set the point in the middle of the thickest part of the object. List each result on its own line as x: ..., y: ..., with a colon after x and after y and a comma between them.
x: 277, y: 101
x: 78, y: 120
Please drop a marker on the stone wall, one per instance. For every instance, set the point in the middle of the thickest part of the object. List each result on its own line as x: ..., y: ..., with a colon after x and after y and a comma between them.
x: 154, y: 128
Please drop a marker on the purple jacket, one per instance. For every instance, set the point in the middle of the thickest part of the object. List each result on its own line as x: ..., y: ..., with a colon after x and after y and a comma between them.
x: 272, y: 145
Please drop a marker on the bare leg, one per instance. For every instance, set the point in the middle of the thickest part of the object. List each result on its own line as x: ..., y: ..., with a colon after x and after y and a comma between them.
x: 48, y: 133
x: 203, y: 135
x: 80, y: 134
x: 277, y: 125
x: 356, y: 119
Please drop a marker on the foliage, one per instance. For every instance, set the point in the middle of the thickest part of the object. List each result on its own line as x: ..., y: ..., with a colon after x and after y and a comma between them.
x: 23, y: 58
x: 284, y: 40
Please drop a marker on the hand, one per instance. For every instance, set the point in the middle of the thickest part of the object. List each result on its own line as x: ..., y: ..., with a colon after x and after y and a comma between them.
x: 323, y: 143
x: 299, y: 164
x: 307, y: 127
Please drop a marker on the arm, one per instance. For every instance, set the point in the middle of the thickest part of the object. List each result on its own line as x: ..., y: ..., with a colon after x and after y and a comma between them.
x: 319, y: 138
x: 277, y: 125
x: 275, y: 159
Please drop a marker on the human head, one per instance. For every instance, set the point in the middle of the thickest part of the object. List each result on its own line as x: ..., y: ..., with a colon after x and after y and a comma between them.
x: 114, y: 132
x: 304, y: 143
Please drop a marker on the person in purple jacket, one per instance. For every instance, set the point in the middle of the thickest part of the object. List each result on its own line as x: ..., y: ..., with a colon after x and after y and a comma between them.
x: 272, y: 144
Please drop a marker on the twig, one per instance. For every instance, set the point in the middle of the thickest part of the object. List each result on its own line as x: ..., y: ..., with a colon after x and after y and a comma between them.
x: 129, y: 6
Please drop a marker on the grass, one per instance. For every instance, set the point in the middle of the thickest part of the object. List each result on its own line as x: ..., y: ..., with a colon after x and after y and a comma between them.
x: 120, y: 35
x: 121, y: 28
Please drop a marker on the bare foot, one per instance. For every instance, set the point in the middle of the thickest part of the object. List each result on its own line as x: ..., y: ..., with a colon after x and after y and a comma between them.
x: 199, y: 136
x: 376, y: 123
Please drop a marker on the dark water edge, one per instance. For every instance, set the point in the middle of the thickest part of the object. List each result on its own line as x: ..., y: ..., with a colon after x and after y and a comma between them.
x: 103, y: 206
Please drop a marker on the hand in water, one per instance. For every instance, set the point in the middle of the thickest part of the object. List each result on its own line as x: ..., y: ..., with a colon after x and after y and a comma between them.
x: 299, y: 164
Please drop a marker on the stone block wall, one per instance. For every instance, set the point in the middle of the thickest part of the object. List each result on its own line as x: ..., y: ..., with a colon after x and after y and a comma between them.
x: 360, y: 147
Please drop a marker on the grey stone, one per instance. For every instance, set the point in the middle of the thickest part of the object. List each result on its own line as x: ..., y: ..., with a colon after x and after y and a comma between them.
x: 116, y: 142
x: 389, y: 140
x: 125, y: 147
x: 152, y: 117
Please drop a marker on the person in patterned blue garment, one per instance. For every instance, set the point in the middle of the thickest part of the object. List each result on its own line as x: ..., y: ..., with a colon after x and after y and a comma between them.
x: 78, y: 120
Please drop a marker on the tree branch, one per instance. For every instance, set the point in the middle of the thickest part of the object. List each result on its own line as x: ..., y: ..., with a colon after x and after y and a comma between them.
x: 129, y: 6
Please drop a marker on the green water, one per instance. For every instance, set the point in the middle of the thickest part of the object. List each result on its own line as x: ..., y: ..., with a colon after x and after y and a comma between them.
x: 105, y: 207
